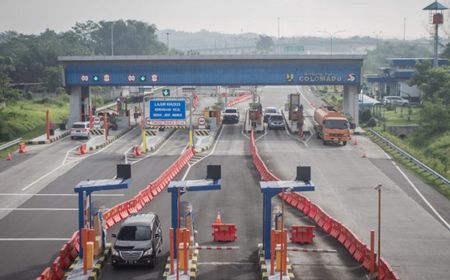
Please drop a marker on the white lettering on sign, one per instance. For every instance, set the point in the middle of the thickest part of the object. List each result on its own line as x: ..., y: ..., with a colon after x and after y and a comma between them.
x: 320, y: 77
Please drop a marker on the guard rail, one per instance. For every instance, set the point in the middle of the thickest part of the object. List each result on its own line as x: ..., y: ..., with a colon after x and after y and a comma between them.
x: 409, y: 157
x: 9, y: 144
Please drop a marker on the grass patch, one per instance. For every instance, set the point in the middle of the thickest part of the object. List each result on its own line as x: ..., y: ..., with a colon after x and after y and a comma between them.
x: 422, y: 174
x: 26, y: 119
x: 400, y: 115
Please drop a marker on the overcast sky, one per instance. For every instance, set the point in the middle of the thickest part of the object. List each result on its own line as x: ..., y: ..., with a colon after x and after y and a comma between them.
x: 297, y: 17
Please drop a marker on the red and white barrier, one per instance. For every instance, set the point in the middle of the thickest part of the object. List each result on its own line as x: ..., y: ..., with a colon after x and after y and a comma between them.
x: 359, y: 250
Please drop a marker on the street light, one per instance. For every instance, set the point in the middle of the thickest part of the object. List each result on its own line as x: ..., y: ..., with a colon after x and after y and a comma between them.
x: 332, y: 34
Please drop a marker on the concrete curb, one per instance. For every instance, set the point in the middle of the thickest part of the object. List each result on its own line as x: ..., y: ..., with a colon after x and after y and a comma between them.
x: 265, y: 271
x: 193, y: 270
x: 54, y: 139
x: 95, y: 273
x: 158, y: 143
x: 110, y: 140
x: 212, y: 140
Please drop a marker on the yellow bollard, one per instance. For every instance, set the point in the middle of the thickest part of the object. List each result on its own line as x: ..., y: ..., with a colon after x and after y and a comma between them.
x: 191, y: 141
x: 89, y: 255
x: 144, y: 140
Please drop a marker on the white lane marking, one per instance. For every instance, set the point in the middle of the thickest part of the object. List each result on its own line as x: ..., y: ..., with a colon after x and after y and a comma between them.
x: 212, y: 152
x: 422, y: 197
x: 58, y: 194
x: 265, y: 133
x: 40, y: 178
x: 34, y: 239
x: 226, y: 263
x: 38, y: 209
x: 165, y: 142
x: 64, y: 163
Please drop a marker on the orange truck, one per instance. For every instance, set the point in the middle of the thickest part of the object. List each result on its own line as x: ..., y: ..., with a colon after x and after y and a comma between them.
x: 331, y: 126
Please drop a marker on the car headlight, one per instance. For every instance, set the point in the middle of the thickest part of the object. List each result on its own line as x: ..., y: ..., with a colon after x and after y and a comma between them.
x: 148, y: 252
x: 114, y: 252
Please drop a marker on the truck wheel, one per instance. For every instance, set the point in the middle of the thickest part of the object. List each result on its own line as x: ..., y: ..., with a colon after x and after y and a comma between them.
x: 344, y: 143
x: 324, y: 142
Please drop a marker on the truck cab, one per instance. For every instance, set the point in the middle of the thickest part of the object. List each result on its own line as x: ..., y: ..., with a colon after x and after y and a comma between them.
x: 331, y: 126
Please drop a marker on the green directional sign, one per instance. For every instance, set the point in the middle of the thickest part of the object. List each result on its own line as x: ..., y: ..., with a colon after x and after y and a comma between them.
x: 294, y: 48
x: 166, y: 92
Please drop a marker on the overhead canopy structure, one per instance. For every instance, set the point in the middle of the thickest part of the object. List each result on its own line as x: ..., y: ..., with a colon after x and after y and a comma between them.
x: 211, y: 70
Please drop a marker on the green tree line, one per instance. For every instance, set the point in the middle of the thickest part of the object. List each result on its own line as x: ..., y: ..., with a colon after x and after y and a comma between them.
x: 33, y: 58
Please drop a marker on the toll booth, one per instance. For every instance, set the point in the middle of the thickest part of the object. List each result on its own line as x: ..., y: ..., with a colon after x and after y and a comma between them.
x: 255, y: 117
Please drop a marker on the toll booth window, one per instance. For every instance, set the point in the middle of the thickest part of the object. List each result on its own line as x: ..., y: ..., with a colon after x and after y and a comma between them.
x: 134, y: 233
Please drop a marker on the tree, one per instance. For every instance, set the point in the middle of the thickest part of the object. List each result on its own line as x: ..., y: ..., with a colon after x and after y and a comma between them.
x: 264, y: 43
x: 434, y: 82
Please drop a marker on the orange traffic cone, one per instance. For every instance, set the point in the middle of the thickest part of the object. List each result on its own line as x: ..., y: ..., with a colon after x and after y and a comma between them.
x: 137, y: 151
x: 364, y: 155
x: 218, y: 219
x: 355, y: 142
x: 22, y: 148
x: 9, y: 157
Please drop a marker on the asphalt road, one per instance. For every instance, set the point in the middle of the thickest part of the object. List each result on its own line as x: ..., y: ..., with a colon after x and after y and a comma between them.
x: 414, y: 242
x: 50, y: 216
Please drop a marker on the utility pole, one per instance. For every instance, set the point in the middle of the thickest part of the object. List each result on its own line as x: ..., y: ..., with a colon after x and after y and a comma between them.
x: 378, y: 188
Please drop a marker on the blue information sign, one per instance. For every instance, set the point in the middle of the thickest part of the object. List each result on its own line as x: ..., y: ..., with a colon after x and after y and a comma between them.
x: 167, y: 110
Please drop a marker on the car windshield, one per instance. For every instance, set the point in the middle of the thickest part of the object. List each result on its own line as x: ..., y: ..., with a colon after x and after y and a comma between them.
x: 78, y: 125
x: 134, y: 233
x: 271, y: 111
x: 230, y: 111
x: 340, y: 124
x: 276, y: 118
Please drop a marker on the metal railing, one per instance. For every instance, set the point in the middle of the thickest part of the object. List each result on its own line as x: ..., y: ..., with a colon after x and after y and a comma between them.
x: 410, y: 157
x: 9, y: 144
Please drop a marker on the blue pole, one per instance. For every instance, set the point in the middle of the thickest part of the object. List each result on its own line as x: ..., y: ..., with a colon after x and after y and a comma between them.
x: 90, y: 210
x: 267, y: 223
x: 174, y: 219
x: 80, y: 220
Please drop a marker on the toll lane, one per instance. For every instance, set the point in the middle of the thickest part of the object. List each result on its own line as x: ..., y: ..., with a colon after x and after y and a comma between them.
x: 59, y: 220
x: 411, y: 237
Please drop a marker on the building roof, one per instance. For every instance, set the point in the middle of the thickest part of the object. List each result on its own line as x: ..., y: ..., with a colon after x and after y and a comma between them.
x: 435, y: 7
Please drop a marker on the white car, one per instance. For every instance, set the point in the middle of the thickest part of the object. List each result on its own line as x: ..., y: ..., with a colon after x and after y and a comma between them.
x: 395, y: 100
x: 80, y: 130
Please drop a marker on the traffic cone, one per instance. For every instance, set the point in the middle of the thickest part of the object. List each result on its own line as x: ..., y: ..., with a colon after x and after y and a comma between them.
x: 218, y: 219
x: 355, y: 142
x: 22, y: 148
x: 364, y: 155
x: 9, y: 157
x: 137, y: 151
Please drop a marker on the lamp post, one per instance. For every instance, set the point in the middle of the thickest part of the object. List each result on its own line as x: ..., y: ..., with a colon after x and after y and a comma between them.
x: 378, y: 188
x: 332, y: 34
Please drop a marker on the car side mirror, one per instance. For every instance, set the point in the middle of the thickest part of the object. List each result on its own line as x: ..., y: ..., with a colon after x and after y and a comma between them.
x: 114, y: 235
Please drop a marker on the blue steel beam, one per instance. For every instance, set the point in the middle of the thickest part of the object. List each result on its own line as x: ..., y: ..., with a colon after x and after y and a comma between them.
x: 269, y: 190
x: 234, y: 70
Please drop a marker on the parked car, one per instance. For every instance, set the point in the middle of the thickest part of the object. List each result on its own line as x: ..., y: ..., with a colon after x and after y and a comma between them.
x: 275, y: 121
x: 80, y: 130
x: 395, y: 100
x: 268, y: 111
x: 139, y: 241
x: 230, y: 115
